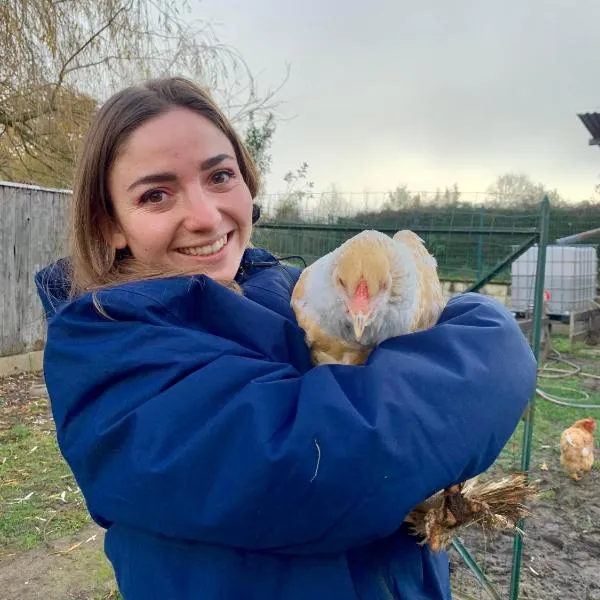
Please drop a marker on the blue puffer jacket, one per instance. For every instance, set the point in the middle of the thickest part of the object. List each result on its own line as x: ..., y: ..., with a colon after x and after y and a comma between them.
x: 225, y: 467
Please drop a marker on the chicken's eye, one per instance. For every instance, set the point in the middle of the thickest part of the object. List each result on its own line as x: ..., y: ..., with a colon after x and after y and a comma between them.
x: 341, y: 282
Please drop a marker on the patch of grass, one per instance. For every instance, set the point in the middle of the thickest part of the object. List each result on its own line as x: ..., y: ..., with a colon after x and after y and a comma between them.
x: 110, y: 595
x: 561, y: 343
x: 550, y: 419
x: 547, y: 495
x: 580, y: 349
x: 39, y: 498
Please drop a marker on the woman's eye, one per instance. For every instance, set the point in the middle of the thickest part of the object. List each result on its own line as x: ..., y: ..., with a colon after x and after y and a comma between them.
x: 153, y: 197
x: 221, y: 177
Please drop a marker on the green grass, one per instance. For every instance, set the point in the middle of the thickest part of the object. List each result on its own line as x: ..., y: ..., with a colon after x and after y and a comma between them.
x: 39, y: 499
x: 551, y: 419
x: 580, y: 349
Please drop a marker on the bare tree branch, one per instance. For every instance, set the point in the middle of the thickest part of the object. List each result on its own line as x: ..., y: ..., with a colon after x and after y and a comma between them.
x: 61, y: 58
x: 78, y: 51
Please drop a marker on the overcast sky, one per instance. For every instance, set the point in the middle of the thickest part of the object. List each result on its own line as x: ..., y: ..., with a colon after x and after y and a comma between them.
x: 384, y: 92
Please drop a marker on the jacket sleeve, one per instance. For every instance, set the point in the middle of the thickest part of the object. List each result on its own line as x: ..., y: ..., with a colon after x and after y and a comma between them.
x: 182, y: 433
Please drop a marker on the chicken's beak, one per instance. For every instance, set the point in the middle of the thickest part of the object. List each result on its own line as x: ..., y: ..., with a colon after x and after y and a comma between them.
x: 359, y: 322
x: 360, y: 308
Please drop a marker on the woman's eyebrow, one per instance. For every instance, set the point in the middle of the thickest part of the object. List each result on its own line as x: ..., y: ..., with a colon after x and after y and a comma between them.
x: 153, y: 178
x: 213, y: 161
x: 166, y: 177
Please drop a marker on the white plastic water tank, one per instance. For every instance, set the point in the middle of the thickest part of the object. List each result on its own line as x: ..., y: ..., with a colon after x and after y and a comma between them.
x: 571, y: 275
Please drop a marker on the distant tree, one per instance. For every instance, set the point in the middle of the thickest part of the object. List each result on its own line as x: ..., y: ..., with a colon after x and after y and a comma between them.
x: 299, y: 188
x: 60, y: 58
x: 449, y: 198
x: 517, y: 190
x: 332, y: 204
x: 258, y: 140
x: 400, y: 199
x: 403, y: 199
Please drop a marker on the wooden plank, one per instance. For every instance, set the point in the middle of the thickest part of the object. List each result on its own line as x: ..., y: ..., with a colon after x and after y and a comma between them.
x: 585, y: 315
x: 4, y: 293
x: 41, y: 233
x: 582, y: 323
x: 526, y: 324
x: 33, y: 225
x: 22, y: 245
x: 10, y: 339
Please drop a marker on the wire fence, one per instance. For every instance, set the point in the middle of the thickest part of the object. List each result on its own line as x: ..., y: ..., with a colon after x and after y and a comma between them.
x: 471, y: 244
x: 468, y: 240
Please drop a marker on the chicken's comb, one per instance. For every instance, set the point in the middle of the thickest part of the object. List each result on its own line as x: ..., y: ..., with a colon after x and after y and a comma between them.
x: 362, y: 289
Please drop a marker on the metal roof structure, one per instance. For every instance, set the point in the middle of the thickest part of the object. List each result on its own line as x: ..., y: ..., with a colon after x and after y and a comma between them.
x: 592, y: 124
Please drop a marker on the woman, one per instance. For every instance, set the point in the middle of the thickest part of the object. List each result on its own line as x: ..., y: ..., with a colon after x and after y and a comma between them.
x: 222, y: 465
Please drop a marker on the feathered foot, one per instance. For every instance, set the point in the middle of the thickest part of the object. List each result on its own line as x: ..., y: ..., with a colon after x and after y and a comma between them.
x: 492, y: 506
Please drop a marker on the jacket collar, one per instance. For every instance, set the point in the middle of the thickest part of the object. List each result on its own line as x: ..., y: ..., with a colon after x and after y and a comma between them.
x: 253, y: 260
x: 53, y: 281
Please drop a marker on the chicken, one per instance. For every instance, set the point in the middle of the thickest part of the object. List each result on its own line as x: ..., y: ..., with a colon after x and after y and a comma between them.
x: 371, y: 288
x: 577, y: 448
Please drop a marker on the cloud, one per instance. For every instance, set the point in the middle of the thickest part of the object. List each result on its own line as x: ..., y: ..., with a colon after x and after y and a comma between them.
x: 389, y: 92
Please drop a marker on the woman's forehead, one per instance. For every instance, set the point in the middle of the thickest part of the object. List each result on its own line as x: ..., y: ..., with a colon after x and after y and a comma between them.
x: 177, y: 136
x: 179, y: 130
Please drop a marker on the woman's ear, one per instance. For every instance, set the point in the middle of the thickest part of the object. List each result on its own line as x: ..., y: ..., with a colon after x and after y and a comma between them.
x: 114, y: 237
x: 118, y: 241
x: 255, y: 213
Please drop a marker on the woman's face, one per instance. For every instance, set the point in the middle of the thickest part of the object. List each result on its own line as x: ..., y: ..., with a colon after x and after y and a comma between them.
x: 179, y: 197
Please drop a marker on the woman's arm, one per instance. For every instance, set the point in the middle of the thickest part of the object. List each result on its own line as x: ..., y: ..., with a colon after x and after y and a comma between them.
x: 173, y: 429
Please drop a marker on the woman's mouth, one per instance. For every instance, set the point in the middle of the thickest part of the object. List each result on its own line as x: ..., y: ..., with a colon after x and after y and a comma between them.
x: 206, y: 250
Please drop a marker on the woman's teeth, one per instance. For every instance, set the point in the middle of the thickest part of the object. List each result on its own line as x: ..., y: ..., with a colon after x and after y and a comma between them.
x: 204, y: 250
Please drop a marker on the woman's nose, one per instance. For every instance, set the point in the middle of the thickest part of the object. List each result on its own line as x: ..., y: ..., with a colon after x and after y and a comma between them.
x: 203, y: 212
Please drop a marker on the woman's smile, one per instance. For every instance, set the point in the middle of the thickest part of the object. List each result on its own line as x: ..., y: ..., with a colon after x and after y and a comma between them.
x: 210, y: 250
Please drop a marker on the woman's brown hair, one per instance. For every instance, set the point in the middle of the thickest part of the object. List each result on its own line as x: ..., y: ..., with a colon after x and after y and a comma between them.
x: 94, y: 263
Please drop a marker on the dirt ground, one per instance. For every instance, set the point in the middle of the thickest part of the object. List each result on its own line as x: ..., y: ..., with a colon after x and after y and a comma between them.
x: 71, y: 568
x: 58, y: 567
x: 561, y: 558
x: 561, y: 549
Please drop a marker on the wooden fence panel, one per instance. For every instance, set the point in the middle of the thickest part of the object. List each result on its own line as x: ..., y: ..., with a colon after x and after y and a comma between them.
x: 33, y: 233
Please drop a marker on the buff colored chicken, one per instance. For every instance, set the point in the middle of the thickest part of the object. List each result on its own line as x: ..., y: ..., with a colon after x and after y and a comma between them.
x: 373, y: 287
x: 577, y: 448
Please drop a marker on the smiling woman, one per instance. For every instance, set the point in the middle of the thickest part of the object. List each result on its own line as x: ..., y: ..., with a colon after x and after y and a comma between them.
x: 163, y: 182
x: 222, y: 464
x: 179, y: 198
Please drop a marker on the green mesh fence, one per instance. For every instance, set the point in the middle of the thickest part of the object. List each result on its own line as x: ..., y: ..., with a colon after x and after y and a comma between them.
x: 468, y: 243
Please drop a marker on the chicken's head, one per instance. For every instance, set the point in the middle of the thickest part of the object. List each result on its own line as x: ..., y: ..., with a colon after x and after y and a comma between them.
x: 362, y: 277
x: 588, y: 424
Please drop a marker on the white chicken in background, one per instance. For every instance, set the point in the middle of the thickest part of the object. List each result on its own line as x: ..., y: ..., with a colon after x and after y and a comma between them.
x: 371, y: 288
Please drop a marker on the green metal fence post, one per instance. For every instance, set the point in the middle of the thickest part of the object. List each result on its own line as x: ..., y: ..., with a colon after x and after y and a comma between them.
x: 536, y: 336
x: 498, y: 268
x: 471, y: 563
x: 480, y: 245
